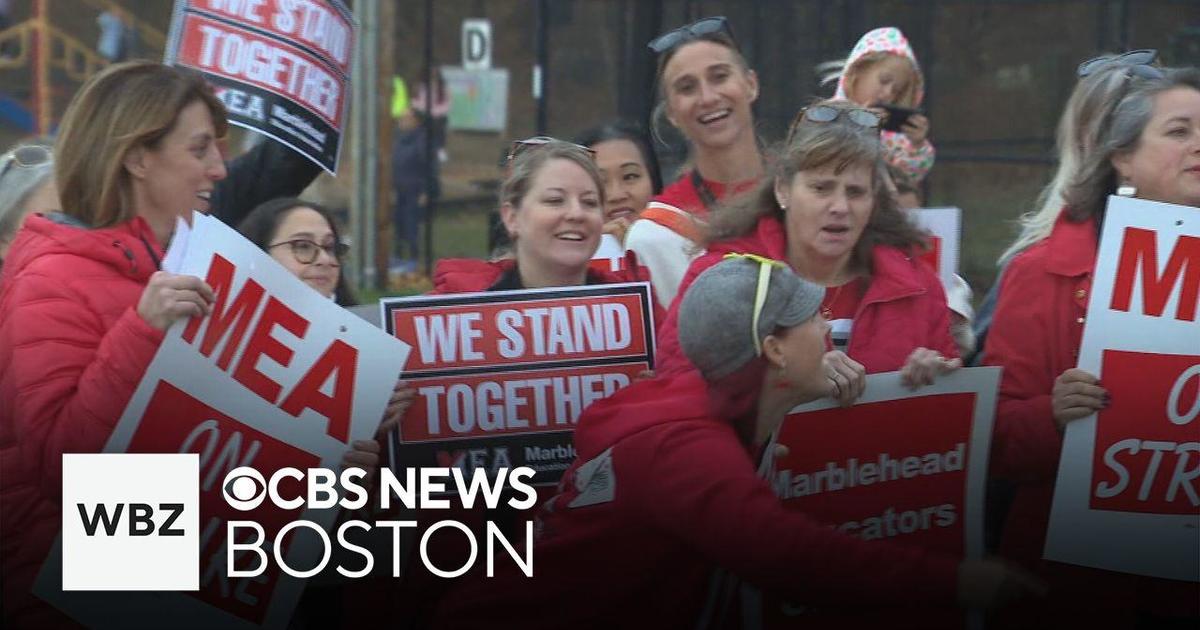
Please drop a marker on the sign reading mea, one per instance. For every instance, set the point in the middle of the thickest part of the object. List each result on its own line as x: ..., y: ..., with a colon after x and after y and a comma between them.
x: 131, y: 522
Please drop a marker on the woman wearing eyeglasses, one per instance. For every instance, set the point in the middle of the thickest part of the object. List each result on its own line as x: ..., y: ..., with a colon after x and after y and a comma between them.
x: 26, y: 187
x: 706, y: 90
x: 1148, y: 146
x: 826, y: 211
x: 663, y: 512
x: 303, y: 237
x: 82, y: 305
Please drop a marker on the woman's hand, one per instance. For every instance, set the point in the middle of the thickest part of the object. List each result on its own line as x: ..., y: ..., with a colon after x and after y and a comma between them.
x: 618, y: 227
x: 986, y: 584
x: 924, y: 365
x: 1076, y: 394
x: 402, y: 398
x: 363, y: 454
x: 917, y: 129
x: 846, y: 378
x: 169, y: 297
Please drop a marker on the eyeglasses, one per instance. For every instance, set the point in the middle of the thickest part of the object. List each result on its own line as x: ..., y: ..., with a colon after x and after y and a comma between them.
x: 1138, y: 62
x: 306, y: 251
x: 26, y: 156
x: 521, y: 146
x: 765, y: 265
x: 864, y: 118
x: 670, y: 40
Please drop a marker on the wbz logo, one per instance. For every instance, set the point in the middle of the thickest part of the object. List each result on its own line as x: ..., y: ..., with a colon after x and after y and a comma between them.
x: 131, y: 522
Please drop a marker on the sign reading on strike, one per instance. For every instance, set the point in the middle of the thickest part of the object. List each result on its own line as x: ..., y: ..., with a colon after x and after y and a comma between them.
x: 1128, y: 491
x: 501, y: 377
x: 275, y: 376
x: 903, y: 466
x: 282, y: 67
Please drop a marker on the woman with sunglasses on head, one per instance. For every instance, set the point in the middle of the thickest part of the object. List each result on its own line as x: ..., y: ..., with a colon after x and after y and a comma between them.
x: 827, y: 212
x: 631, y: 177
x: 706, y: 91
x: 1146, y: 145
x: 83, y: 306
x: 26, y: 187
x: 664, y: 512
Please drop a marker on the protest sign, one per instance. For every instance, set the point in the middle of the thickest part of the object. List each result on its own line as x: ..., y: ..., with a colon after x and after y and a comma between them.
x: 501, y: 377
x: 945, y: 228
x: 903, y: 466
x: 281, y: 67
x: 275, y: 376
x: 1126, y: 498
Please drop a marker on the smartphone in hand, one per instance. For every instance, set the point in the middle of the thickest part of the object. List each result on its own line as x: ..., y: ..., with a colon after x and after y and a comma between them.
x: 897, y: 116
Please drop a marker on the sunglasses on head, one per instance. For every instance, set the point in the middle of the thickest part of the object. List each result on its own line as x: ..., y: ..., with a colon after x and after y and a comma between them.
x: 1137, y: 61
x: 864, y: 118
x: 696, y: 30
x: 26, y: 156
x: 765, y: 265
x: 521, y: 146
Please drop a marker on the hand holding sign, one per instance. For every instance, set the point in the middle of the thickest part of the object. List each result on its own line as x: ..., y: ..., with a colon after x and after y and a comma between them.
x: 169, y: 297
x: 988, y: 584
x: 923, y: 365
x: 847, y: 377
x: 1076, y: 394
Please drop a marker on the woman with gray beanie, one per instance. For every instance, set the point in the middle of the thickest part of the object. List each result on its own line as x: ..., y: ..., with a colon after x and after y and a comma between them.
x: 26, y: 186
x: 664, y: 511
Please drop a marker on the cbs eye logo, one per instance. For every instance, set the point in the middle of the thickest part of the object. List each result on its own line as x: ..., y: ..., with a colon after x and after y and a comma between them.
x: 244, y: 488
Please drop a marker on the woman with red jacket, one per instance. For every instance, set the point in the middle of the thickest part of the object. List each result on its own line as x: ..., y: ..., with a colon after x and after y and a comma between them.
x: 82, y: 305
x: 1150, y: 148
x: 827, y: 212
x: 663, y: 510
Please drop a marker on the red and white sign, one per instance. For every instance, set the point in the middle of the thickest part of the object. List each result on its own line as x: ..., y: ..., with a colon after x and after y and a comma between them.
x: 1128, y: 491
x: 504, y: 375
x: 276, y: 376
x: 282, y: 67
x: 901, y: 466
x: 945, y: 227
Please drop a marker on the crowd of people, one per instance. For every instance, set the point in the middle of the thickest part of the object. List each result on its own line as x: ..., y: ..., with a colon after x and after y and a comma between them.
x: 781, y: 274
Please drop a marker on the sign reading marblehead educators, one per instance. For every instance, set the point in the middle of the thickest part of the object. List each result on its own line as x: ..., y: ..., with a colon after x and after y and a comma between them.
x: 282, y: 67
x: 276, y: 376
x: 1128, y: 491
x: 501, y: 377
x: 900, y: 465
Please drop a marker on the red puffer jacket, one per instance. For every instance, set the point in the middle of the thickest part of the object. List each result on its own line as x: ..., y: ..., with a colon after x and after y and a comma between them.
x: 662, y: 494
x: 904, y: 307
x: 72, y: 351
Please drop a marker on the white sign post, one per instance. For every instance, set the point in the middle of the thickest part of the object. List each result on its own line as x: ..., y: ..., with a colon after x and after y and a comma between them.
x: 1128, y: 491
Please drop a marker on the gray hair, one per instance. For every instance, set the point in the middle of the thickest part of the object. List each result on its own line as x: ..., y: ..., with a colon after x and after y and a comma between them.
x: 1090, y: 104
x: 19, y: 184
x: 1097, y: 178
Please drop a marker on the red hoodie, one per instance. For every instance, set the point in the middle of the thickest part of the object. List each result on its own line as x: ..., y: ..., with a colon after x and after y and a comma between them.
x: 72, y: 351
x: 662, y: 494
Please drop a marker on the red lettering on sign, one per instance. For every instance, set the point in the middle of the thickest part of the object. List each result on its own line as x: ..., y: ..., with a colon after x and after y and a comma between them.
x: 1139, y: 249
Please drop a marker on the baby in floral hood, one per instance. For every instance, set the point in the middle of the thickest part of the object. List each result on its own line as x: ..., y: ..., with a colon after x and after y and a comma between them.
x: 882, y: 69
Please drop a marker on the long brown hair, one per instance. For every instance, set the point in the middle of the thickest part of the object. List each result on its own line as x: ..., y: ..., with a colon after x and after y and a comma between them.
x: 125, y: 106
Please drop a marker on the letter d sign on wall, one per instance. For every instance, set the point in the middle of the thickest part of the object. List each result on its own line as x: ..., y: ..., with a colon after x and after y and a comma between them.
x: 476, y: 44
